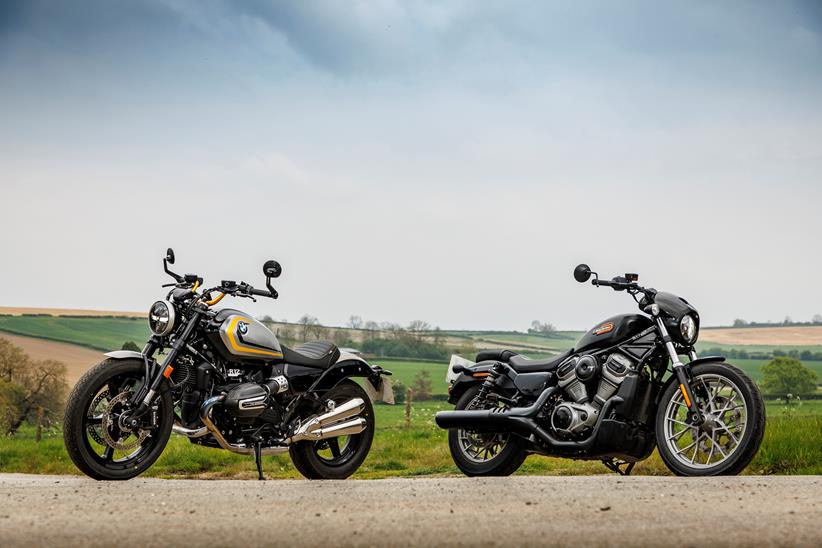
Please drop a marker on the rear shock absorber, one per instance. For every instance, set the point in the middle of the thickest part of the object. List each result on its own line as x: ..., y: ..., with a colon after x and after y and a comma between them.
x: 490, y: 380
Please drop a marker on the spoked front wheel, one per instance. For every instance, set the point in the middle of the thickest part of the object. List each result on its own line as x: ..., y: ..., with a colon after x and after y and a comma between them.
x: 732, y: 430
x: 97, y: 439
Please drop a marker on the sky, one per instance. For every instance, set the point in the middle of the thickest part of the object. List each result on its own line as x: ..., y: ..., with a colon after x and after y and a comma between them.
x: 444, y: 161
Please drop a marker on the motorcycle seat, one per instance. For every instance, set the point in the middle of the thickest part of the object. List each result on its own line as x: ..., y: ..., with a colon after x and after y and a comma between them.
x: 521, y: 364
x: 495, y: 354
x: 319, y: 354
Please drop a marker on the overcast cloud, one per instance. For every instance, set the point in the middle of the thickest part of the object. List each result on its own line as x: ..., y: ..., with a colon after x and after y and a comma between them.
x: 415, y: 160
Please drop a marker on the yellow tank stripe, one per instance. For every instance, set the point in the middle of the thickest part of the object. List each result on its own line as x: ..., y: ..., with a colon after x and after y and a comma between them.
x: 239, y: 348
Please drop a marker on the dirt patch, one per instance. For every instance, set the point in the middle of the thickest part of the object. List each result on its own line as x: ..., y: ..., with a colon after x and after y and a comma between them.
x: 766, y: 336
x: 20, y: 310
x: 76, y: 358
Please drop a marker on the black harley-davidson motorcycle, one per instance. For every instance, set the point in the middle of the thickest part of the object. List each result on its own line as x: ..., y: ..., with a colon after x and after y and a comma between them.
x: 622, y: 391
x: 223, y: 380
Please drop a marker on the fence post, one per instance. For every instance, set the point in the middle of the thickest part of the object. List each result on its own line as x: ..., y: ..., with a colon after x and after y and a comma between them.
x: 39, y: 423
x: 408, y: 395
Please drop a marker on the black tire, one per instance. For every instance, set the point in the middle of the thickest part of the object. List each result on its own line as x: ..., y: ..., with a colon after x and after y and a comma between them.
x: 75, y: 433
x: 306, y: 454
x: 505, y: 463
x: 752, y: 434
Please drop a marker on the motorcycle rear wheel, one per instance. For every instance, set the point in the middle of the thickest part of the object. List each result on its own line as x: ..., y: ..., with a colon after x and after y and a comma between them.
x: 336, y: 458
x: 95, y: 440
x: 484, y: 454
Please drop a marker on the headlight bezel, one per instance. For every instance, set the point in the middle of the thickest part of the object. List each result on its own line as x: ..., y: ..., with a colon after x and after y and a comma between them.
x: 153, y: 325
x: 688, y: 325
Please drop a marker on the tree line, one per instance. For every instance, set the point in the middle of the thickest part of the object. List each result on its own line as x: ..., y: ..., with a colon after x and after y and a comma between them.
x: 742, y: 354
x: 815, y: 320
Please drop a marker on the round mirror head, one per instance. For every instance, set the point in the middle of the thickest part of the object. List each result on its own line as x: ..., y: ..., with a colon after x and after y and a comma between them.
x: 170, y: 256
x: 582, y: 273
x: 272, y: 269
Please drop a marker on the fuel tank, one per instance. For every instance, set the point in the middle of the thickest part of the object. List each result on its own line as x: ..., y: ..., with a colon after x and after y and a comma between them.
x: 239, y: 337
x: 614, y: 330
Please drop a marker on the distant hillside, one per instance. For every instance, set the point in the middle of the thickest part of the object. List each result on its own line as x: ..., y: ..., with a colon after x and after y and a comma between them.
x: 105, y: 330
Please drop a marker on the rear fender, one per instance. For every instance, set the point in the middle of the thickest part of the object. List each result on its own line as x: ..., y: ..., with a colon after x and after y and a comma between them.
x: 350, y: 365
x: 473, y: 375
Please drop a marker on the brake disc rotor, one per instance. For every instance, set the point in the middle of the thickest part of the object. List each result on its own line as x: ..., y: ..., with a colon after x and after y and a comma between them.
x: 94, y: 431
x: 122, y: 444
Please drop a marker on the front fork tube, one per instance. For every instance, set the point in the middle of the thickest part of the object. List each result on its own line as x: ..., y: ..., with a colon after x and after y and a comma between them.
x: 682, y: 374
x: 165, y: 369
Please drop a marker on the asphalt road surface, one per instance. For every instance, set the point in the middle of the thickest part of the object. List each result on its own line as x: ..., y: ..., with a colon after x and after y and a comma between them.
x: 515, y: 511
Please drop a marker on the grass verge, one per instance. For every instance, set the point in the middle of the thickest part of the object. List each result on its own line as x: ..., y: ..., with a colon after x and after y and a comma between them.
x: 792, y: 445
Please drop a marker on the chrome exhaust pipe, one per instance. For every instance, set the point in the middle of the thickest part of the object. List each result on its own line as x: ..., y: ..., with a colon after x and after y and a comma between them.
x: 351, y: 408
x: 205, y: 415
x: 348, y: 428
x: 189, y: 432
x: 327, y: 425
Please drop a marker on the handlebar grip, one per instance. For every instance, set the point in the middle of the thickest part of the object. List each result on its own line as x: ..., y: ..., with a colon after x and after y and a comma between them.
x: 260, y: 292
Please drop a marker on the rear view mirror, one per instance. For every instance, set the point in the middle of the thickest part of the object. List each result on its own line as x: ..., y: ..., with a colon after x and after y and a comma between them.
x: 272, y: 269
x: 582, y: 273
x: 170, y: 256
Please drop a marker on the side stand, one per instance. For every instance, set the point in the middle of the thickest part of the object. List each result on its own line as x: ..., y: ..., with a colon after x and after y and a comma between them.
x: 614, y: 466
x: 258, y: 458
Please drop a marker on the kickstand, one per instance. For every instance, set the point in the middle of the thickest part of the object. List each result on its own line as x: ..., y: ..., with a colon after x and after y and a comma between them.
x: 258, y: 458
x: 614, y: 466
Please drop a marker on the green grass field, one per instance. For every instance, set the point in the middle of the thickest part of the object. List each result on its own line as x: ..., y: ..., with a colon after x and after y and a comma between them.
x: 405, y: 371
x: 793, y: 444
x: 98, y: 333
x: 754, y: 367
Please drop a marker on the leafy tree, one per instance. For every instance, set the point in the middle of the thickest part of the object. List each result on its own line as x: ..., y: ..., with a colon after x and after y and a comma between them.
x: 422, y: 385
x: 782, y: 376
x: 131, y: 345
x: 27, y: 385
x: 739, y: 322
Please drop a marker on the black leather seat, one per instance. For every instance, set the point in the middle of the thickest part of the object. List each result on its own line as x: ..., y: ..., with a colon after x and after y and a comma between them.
x: 320, y: 354
x: 521, y: 364
x: 495, y: 354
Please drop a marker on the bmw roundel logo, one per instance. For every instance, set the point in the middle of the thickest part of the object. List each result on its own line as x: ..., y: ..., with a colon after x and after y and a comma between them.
x: 242, y: 327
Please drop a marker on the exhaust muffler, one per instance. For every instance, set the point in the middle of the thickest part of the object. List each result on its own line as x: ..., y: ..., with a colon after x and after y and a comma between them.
x: 333, y: 423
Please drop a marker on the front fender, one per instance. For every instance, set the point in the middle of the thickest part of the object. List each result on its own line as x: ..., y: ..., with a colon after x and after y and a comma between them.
x: 124, y: 355
x: 673, y: 379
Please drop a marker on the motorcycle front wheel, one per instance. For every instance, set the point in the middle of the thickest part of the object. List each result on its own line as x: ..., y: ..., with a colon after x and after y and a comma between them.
x: 97, y: 441
x: 732, y: 430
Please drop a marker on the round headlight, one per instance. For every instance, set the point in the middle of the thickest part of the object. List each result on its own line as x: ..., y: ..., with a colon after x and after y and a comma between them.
x: 687, y: 326
x: 161, y: 318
